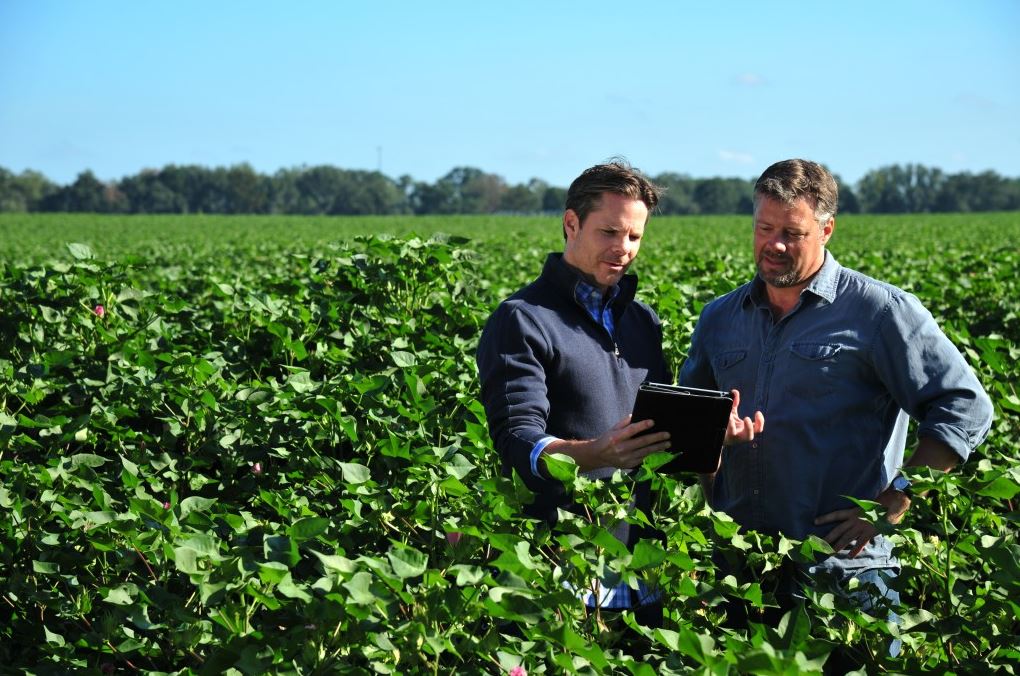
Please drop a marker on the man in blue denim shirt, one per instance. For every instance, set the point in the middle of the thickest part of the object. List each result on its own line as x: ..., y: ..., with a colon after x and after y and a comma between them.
x: 838, y: 363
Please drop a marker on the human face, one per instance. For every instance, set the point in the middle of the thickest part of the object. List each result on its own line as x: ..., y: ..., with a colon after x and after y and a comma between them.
x: 604, y: 246
x: 789, y: 245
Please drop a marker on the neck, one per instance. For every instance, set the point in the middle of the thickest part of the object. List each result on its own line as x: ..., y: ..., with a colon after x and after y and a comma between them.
x: 783, y: 300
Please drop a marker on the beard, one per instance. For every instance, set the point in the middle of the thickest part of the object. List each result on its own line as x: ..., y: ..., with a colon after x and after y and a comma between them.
x: 782, y: 279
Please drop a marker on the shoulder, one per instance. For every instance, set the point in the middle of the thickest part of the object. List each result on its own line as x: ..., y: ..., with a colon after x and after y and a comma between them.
x: 727, y: 303
x: 644, y: 310
x: 873, y: 292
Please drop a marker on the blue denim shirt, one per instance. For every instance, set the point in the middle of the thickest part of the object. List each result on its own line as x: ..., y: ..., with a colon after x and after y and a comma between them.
x: 838, y: 379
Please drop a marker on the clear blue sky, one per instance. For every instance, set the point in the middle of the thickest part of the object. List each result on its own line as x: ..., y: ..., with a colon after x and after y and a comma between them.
x: 522, y: 89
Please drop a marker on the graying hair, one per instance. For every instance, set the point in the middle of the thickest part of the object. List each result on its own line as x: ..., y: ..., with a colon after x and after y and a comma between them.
x: 789, y: 180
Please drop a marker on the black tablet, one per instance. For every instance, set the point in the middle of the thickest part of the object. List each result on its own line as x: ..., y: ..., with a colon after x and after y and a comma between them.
x: 695, y: 419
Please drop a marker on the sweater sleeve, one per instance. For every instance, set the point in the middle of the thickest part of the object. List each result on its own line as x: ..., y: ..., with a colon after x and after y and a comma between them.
x: 511, y: 355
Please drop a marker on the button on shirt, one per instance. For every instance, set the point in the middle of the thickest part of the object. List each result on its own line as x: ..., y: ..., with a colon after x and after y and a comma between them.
x: 837, y: 379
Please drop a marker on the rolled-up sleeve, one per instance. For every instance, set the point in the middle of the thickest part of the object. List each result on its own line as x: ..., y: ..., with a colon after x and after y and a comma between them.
x: 929, y: 377
x: 511, y: 354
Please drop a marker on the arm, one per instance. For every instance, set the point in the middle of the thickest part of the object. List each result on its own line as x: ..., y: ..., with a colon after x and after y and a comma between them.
x: 619, y: 447
x: 511, y: 353
x: 929, y: 378
x: 851, y: 528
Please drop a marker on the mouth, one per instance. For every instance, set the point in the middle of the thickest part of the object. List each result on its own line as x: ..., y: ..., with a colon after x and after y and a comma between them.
x: 774, y: 261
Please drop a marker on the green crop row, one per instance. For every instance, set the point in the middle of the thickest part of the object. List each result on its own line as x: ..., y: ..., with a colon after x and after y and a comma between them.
x: 265, y: 454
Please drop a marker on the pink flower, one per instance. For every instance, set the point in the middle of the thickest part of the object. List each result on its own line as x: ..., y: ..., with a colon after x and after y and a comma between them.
x: 100, y: 311
x: 518, y: 671
x: 166, y: 505
x: 453, y: 538
x: 257, y: 468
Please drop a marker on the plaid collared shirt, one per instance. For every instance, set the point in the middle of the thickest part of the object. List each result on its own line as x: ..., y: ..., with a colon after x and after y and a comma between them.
x: 597, y: 305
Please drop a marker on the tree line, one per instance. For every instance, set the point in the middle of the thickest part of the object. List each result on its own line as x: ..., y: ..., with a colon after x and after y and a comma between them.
x: 326, y: 189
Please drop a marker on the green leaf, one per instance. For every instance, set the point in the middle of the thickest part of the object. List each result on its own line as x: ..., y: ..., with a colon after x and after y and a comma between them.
x: 55, y: 639
x: 308, y: 528
x: 1002, y: 488
x: 288, y: 588
x: 195, y: 504
x: 99, y: 518
x: 45, y: 567
x: 646, y: 554
x: 121, y: 595
x: 87, y: 460
x: 333, y: 562
x: 80, y: 251
x: 354, y: 473
x: 403, y: 359
x: 560, y: 467
x: 359, y: 588
x: 406, y: 561
x: 202, y: 544
x: 273, y: 571
x: 186, y: 560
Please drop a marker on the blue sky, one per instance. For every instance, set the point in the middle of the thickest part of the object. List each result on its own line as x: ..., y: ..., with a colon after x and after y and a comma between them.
x: 523, y: 89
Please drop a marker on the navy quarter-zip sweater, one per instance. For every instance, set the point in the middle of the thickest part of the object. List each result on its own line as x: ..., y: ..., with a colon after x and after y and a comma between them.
x: 548, y: 368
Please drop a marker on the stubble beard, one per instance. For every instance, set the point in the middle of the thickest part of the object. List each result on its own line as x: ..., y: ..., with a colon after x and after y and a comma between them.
x: 780, y: 280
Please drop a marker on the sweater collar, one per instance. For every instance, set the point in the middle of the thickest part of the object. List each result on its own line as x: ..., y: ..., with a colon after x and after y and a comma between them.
x: 566, y: 279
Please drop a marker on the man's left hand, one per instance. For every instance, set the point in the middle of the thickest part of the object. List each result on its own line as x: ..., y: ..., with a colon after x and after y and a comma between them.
x: 740, y: 430
x: 852, y: 530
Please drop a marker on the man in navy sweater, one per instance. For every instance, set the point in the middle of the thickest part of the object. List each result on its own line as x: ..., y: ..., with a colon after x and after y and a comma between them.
x: 560, y: 361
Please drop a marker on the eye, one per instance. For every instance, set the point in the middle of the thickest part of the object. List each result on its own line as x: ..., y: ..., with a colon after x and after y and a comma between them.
x: 635, y: 238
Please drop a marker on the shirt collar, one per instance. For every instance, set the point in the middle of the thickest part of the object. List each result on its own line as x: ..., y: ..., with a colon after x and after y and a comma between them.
x: 824, y: 284
x: 584, y: 291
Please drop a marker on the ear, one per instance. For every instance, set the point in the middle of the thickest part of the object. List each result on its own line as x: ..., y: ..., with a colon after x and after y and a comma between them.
x: 571, y: 224
x: 828, y: 229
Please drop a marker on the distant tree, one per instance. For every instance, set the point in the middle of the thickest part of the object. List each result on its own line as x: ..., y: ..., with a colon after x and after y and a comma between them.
x: 553, y: 199
x: 723, y: 196
x: 369, y: 192
x: 900, y: 189
x: 284, y: 195
x: 146, y: 193
x: 524, y: 198
x: 86, y: 194
x: 848, y: 202
x: 318, y: 188
x: 677, y: 194
x: 246, y: 191
x: 24, y: 191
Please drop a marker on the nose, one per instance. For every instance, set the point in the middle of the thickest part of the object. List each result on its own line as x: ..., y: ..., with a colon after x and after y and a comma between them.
x: 777, y: 244
x: 622, y: 246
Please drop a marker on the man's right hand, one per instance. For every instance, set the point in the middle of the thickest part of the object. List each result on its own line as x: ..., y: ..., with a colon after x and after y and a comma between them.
x: 619, y: 447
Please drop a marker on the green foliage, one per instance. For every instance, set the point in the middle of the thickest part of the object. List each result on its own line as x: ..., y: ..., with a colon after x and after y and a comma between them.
x: 265, y: 454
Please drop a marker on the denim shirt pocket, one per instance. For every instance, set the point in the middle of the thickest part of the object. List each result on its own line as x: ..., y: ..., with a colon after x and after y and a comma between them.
x: 727, y: 367
x: 814, y: 367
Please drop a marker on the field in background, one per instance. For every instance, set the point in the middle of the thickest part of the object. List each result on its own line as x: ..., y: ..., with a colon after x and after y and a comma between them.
x: 256, y: 455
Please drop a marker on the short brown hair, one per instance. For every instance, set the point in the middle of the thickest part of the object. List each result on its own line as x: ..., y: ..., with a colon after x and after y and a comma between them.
x: 615, y: 176
x: 789, y: 180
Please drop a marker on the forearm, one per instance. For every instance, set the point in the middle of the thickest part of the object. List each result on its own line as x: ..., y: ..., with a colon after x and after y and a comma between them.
x: 581, y: 451
x: 931, y: 452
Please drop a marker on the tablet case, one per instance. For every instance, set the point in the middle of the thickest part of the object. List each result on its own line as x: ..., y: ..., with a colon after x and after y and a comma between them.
x: 696, y: 420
